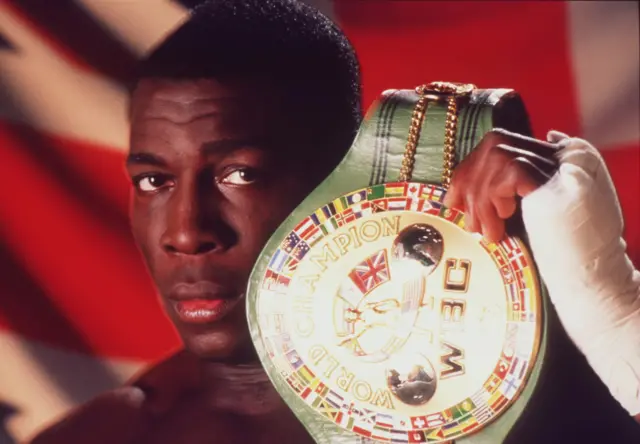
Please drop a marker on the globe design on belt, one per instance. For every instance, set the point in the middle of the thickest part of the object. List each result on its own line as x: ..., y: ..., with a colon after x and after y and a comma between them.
x: 385, y: 318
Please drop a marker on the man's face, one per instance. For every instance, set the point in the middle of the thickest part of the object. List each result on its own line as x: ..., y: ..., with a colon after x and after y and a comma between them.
x: 215, y: 169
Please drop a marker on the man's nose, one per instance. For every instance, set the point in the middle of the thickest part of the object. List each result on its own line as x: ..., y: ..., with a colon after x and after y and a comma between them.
x: 193, y: 226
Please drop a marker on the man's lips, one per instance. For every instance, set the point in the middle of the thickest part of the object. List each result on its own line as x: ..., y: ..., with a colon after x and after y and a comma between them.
x: 201, y: 302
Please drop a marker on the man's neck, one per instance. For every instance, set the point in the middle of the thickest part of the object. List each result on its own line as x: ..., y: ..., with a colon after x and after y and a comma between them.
x: 244, y: 389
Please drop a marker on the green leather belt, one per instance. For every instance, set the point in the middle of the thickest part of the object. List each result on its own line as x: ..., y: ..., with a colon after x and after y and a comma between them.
x: 375, y: 158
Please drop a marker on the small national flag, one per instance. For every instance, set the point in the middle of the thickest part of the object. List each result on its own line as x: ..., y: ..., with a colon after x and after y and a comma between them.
x: 367, y: 416
x: 482, y: 411
x: 375, y: 192
x: 430, y: 207
x: 501, y: 367
x: 380, y: 205
x: 371, y: 272
x: 469, y: 423
x: 415, y: 191
x: 326, y: 409
x: 384, y: 420
x: 397, y: 203
x: 519, y: 369
x: 451, y: 214
x: 318, y: 218
x: 340, y: 204
x: 432, y: 193
x: 303, y: 229
x: 417, y: 436
x: 514, y: 253
x: 435, y: 420
x: 322, y: 389
x: 381, y: 433
x: 452, y: 428
x: 329, y: 226
x: 295, y: 383
x: 498, y: 256
x: 294, y: 359
x: 313, y: 236
x: 364, y: 420
x: 525, y: 297
x: 497, y: 401
x: 305, y: 374
x: 278, y: 260
x: 292, y: 264
x: 345, y: 416
x: 334, y: 399
x: 306, y: 393
x: 418, y: 422
x: 340, y: 219
x: 399, y: 436
x: 349, y: 216
x: 492, y: 383
x: 282, y: 283
x: 298, y: 253
x: 363, y: 431
x: 416, y: 204
x: 270, y: 281
x: 324, y: 213
x: 290, y: 242
x: 357, y: 197
x: 509, y: 386
x: 361, y: 209
x: 397, y: 189
x: 460, y: 410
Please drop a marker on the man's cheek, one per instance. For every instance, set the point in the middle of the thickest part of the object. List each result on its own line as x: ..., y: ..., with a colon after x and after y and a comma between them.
x: 146, y: 235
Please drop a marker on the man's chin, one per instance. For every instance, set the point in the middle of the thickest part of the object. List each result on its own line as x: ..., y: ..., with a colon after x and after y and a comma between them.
x: 220, y: 345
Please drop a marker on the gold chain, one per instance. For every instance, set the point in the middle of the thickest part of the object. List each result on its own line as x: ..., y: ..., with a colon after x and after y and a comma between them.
x: 435, y: 91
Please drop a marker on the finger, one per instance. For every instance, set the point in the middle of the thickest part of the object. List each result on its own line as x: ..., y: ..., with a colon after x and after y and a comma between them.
x: 470, y: 219
x: 453, y: 197
x: 521, y: 177
x: 491, y: 225
x: 505, y: 206
x: 530, y: 145
x: 549, y: 166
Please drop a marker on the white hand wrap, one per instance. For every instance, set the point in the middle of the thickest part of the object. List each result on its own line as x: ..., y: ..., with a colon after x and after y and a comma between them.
x: 574, y: 224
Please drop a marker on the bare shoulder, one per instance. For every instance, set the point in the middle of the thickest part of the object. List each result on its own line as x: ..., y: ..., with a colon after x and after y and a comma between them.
x: 112, y: 417
x: 120, y: 415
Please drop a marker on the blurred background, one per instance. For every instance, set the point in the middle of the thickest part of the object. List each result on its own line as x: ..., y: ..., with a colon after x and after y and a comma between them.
x: 78, y: 313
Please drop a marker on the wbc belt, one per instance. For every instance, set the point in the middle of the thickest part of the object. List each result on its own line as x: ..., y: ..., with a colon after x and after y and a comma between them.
x: 377, y: 317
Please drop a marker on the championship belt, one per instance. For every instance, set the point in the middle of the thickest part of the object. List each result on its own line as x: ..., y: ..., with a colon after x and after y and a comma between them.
x: 377, y: 317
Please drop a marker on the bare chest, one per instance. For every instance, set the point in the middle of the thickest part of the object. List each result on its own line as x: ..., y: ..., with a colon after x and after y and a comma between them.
x: 195, y: 423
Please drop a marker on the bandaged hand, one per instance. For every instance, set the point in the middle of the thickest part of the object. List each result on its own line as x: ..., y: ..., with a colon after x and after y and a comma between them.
x: 575, y: 225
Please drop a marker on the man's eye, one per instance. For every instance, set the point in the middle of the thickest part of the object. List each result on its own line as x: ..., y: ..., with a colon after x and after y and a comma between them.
x: 151, y: 182
x: 241, y: 176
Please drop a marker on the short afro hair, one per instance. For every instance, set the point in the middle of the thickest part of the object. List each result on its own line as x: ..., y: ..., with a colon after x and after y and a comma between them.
x: 298, y: 49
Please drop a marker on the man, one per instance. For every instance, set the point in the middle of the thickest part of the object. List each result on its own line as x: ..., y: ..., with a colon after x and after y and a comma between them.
x: 227, y: 116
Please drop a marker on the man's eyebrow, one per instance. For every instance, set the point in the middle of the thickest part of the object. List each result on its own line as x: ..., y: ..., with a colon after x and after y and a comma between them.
x: 221, y: 147
x: 145, y: 159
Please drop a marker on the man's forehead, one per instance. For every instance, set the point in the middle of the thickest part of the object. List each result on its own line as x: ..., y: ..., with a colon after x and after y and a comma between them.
x: 188, y: 99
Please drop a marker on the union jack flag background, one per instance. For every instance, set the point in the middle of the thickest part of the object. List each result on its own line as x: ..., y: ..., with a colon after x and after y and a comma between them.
x: 68, y: 263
